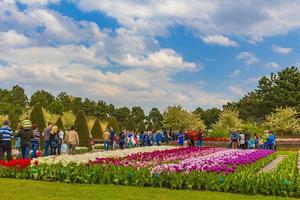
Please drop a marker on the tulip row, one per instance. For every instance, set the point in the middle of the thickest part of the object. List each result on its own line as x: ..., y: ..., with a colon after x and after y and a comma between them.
x: 222, y: 161
x: 16, y: 163
x: 154, y: 158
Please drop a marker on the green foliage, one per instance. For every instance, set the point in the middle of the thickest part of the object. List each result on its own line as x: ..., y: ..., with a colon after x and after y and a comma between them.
x: 14, y: 120
x: 122, y: 114
x: 43, y: 98
x: 177, y: 118
x: 156, y: 118
x: 97, y: 132
x: 113, y: 123
x: 59, y: 123
x: 130, y: 124
x: 68, y: 118
x: 141, y: 127
x: 284, y: 120
x: 278, y: 90
x: 37, y: 117
x: 81, y: 127
x: 228, y: 121
x: 56, y: 107
x: 137, y: 114
x: 209, y: 116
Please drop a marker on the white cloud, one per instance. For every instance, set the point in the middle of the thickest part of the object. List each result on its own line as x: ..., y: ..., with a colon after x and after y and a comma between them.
x: 248, y: 57
x: 235, y: 73
x: 252, y: 80
x: 12, y: 38
x: 237, y: 90
x: 281, y: 50
x: 205, y: 17
x: 219, y: 40
x: 38, y: 2
x: 272, y: 65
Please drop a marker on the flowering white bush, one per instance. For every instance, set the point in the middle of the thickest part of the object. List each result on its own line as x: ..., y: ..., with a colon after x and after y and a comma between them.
x: 85, y: 158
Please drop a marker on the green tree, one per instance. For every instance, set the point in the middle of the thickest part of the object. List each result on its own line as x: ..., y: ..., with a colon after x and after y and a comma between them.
x: 155, y: 117
x: 122, y: 114
x: 228, y: 121
x: 14, y: 120
x: 19, y: 97
x: 130, y: 124
x: 284, y: 121
x: 141, y: 127
x: 81, y: 127
x: 97, y: 132
x: 60, y: 124
x: 137, y: 114
x: 37, y: 117
x: 281, y: 89
x: 56, y: 107
x: 113, y: 123
x: 43, y: 98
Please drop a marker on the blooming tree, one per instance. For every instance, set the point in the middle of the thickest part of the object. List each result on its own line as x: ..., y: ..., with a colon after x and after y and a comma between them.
x: 228, y: 121
x: 284, y: 120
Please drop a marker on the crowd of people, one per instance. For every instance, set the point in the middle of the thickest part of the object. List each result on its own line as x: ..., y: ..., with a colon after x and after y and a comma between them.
x: 130, y: 139
x: 241, y: 140
x: 27, y: 137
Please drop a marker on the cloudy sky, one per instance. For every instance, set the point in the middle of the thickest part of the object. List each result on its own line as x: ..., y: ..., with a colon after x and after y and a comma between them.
x: 147, y: 52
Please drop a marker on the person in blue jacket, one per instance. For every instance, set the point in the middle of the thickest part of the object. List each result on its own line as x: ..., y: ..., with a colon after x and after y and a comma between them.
x: 271, y: 140
x: 180, y: 136
x: 158, y: 138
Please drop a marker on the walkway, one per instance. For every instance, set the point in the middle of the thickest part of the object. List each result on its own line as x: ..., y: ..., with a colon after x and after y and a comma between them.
x: 272, y: 165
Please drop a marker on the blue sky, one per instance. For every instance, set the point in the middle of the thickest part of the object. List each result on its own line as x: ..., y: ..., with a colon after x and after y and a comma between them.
x: 147, y: 53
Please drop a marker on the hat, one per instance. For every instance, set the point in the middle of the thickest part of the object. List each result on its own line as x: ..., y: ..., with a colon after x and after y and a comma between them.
x: 26, y: 124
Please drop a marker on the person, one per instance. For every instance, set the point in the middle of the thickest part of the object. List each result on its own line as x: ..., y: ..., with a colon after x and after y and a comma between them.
x: 234, y: 139
x: 35, y: 141
x: 106, y: 140
x: 256, y: 140
x: 91, y: 142
x: 6, y: 134
x: 122, y: 140
x: 265, y: 139
x: 142, y: 139
x: 180, y: 136
x: 26, y: 134
x: 60, y: 137
x: 192, y: 138
x: 247, y: 138
x: 242, y: 141
x: 46, y: 134
x: 271, y: 140
x: 64, y: 148
x: 199, y: 138
x: 72, y: 140
x: 130, y: 139
x: 251, y: 143
x: 54, y: 140
x: 158, y: 138
x: 112, y: 135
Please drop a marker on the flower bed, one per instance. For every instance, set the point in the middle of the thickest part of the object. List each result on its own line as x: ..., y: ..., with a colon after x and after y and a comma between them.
x: 151, y: 159
x: 223, y: 161
x: 16, y: 163
x: 85, y: 158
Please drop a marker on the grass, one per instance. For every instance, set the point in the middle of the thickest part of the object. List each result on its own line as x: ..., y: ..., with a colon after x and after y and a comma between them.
x: 14, y: 189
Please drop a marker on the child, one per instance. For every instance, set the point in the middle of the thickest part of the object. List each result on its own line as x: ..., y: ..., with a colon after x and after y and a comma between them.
x: 64, y: 149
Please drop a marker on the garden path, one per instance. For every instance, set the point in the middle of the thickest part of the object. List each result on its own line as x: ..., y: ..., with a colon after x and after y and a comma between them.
x: 272, y: 165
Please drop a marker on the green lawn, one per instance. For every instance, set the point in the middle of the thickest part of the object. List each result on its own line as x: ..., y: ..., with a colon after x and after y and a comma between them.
x: 13, y: 189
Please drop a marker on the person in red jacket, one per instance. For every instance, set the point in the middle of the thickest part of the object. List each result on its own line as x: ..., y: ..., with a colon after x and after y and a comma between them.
x: 192, y: 138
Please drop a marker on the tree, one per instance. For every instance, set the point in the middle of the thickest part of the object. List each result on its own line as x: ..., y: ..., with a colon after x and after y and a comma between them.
x: 68, y: 118
x: 42, y: 97
x: 122, y: 114
x: 155, y: 117
x: 277, y: 90
x: 130, y: 124
x: 14, y: 120
x: 49, y: 117
x: 56, y: 107
x: 194, y: 122
x: 113, y: 123
x: 81, y: 127
x: 141, y: 127
x: 228, y: 121
x: 60, y: 124
x: 137, y: 114
x: 19, y: 97
x: 173, y: 118
x: 37, y: 117
x: 209, y: 116
x: 284, y: 120
x: 97, y: 132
